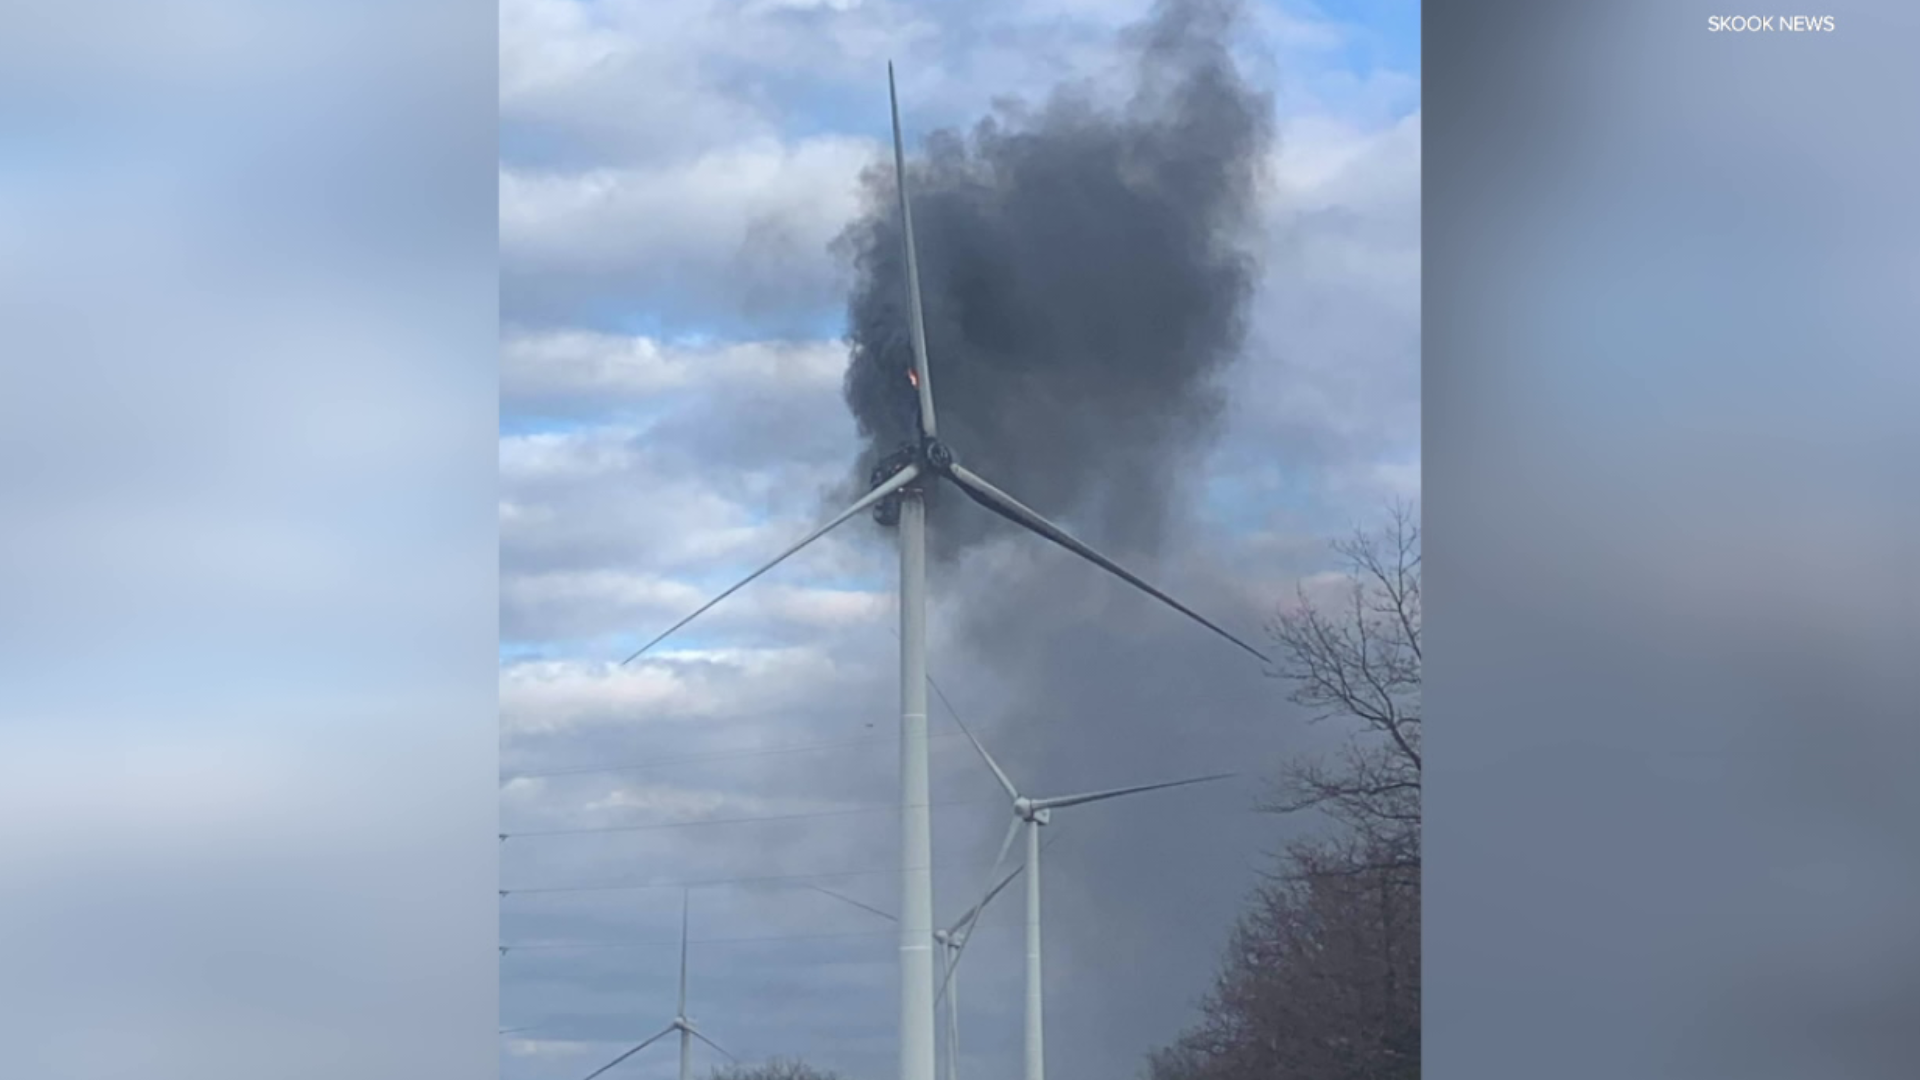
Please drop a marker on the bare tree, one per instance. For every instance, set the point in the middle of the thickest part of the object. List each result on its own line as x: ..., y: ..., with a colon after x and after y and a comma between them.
x: 773, y: 1069
x: 1321, y: 980
x: 1357, y: 658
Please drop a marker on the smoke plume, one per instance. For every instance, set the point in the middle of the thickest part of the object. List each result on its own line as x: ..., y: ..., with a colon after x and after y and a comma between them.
x: 1084, y: 285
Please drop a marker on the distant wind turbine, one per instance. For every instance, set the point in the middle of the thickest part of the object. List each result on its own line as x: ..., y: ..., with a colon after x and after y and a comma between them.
x: 951, y: 939
x: 683, y: 1025
x: 1035, y: 813
x: 898, y: 496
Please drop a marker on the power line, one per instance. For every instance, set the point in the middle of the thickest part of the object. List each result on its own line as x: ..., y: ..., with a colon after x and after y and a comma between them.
x: 663, y: 942
x: 873, y: 808
x: 767, y: 879
x: 728, y: 755
x: 725, y: 755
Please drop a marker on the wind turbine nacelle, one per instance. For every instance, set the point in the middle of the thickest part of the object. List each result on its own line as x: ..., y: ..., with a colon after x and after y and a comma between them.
x: 887, y: 511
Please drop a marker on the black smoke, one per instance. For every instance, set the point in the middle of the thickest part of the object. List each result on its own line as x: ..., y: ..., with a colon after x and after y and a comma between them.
x: 1088, y: 269
x: 1085, y: 284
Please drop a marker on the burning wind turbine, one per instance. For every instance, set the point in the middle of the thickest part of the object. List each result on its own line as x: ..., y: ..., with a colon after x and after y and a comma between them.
x: 899, y: 496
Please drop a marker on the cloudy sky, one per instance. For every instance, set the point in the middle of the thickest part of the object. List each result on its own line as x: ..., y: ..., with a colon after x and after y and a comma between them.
x: 673, y: 177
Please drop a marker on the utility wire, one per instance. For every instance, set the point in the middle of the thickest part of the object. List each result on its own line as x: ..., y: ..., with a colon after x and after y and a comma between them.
x: 724, y: 755
x: 767, y: 879
x: 873, y: 808
x: 728, y: 755
x: 663, y: 942
x: 804, y: 748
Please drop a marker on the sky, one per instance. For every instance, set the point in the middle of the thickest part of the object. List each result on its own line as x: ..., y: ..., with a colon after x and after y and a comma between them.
x: 673, y: 176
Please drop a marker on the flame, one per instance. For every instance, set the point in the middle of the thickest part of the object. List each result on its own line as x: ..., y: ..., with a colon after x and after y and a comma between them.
x: 913, y: 377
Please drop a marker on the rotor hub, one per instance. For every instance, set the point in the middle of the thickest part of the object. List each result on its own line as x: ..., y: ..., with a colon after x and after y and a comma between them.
x: 1023, y: 809
x: 936, y: 455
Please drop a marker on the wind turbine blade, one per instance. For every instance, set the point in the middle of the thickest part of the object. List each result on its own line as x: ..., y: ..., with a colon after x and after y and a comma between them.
x: 997, y: 890
x: 973, y: 913
x: 953, y: 1023
x: 953, y: 965
x: 998, y: 773
x: 1013, y: 830
x: 850, y: 900
x: 685, y: 903
x: 894, y: 483
x: 630, y: 1053
x: 1013, y: 510
x: 713, y: 1044
x: 922, y: 381
x: 941, y: 694
x: 1114, y: 793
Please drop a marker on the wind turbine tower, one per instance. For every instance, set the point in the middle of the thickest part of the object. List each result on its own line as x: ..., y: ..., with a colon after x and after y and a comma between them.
x: 1036, y: 814
x: 681, y: 1022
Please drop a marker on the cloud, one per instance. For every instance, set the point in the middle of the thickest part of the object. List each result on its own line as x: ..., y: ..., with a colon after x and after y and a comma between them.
x: 558, y: 511
x: 550, y: 694
x: 739, y: 232
x: 647, y: 83
x: 589, y: 605
x: 1337, y: 405
x: 582, y: 372
x: 693, y: 183
x: 546, y: 44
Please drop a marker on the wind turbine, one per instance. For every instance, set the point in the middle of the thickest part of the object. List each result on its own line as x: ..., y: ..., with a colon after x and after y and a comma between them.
x: 1035, y: 814
x: 688, y: 1032
x: 899, y: 497
x: 951, y: 940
